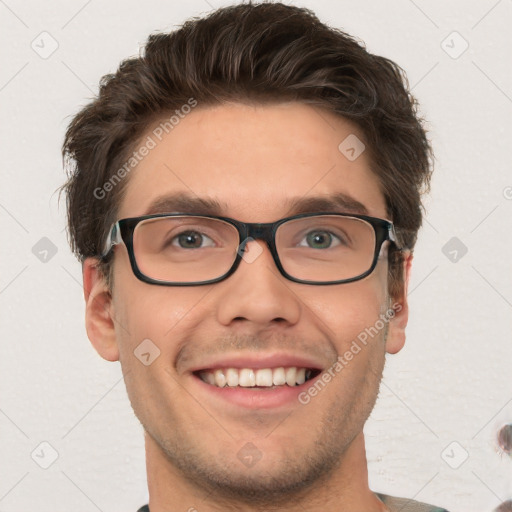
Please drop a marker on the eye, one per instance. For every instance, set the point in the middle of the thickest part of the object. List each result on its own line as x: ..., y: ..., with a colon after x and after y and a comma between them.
x: 192, y: 240
x: 320, y: 240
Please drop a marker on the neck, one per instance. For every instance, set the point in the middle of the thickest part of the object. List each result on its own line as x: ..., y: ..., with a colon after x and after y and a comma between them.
x: 345, y: 490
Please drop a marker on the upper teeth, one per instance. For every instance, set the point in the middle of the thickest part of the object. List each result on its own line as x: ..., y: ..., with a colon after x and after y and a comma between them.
x: 248, y: 378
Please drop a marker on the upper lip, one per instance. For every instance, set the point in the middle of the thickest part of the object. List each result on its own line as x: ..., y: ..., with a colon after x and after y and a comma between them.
x: 255, y: 360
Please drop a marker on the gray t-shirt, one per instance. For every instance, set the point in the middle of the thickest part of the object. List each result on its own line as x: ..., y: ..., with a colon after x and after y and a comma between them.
x: 394, y: 504
x: 407, y: 505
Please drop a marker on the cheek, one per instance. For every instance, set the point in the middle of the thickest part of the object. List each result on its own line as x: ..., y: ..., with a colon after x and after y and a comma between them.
x: 143, y: 311
x: 347, y: 310
x: 148, y: 318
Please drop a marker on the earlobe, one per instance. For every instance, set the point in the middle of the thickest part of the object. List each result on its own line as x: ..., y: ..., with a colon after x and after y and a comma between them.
x: 99, y: 311
x: 400, y: 311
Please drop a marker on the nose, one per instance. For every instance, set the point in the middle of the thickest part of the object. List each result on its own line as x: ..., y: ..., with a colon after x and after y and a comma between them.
x: 257, y: 293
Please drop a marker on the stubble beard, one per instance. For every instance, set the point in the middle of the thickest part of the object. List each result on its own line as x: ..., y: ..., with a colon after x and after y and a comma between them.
x: 295, y: 475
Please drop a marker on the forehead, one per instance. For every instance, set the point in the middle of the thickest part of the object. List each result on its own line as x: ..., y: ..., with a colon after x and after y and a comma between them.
x: 253, y: 162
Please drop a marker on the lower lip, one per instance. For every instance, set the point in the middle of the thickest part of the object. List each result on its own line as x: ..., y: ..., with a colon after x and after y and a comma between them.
x: 257, y: 398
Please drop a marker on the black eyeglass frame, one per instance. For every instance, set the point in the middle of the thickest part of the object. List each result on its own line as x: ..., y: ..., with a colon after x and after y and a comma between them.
x: 123, y: 229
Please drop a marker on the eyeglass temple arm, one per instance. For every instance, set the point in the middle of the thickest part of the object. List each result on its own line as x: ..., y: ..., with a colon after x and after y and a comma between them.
x: 392, y: 236
x: 113, y: 238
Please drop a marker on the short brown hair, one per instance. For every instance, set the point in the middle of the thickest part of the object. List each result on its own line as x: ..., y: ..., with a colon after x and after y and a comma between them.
x: 261, y: 53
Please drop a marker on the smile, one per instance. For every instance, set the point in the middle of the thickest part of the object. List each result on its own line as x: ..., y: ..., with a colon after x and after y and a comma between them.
x: 257, y: 377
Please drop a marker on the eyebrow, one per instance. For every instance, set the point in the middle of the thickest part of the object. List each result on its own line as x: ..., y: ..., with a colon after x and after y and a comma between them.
x: 339, y: 202
x: 187, y: 203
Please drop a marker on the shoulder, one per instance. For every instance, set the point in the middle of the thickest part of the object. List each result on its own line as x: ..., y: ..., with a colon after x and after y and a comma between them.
x: 407, y: 504
x: 145, y: 508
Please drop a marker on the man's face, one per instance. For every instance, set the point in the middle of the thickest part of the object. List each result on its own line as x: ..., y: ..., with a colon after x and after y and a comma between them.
x: 252, y: 160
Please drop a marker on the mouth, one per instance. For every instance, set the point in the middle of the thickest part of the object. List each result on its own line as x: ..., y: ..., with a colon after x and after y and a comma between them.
x: 255, y: 381
x: 261, y: 378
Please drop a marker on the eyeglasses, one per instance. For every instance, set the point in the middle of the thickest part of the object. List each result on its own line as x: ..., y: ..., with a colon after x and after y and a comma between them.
x: 178, y: 249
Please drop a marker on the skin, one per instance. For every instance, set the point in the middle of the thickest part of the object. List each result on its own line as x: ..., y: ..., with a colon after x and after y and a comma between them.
x: 251, y: 159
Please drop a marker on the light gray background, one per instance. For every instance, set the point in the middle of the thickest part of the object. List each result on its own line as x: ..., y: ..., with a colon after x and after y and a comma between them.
x: 451, y: 382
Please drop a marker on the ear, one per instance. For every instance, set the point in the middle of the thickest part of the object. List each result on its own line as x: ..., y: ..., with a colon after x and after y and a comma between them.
x: 397, y: 324
x: 99, y: 314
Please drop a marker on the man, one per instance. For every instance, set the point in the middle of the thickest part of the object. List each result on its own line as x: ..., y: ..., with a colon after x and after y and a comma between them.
x: 245, y: 198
